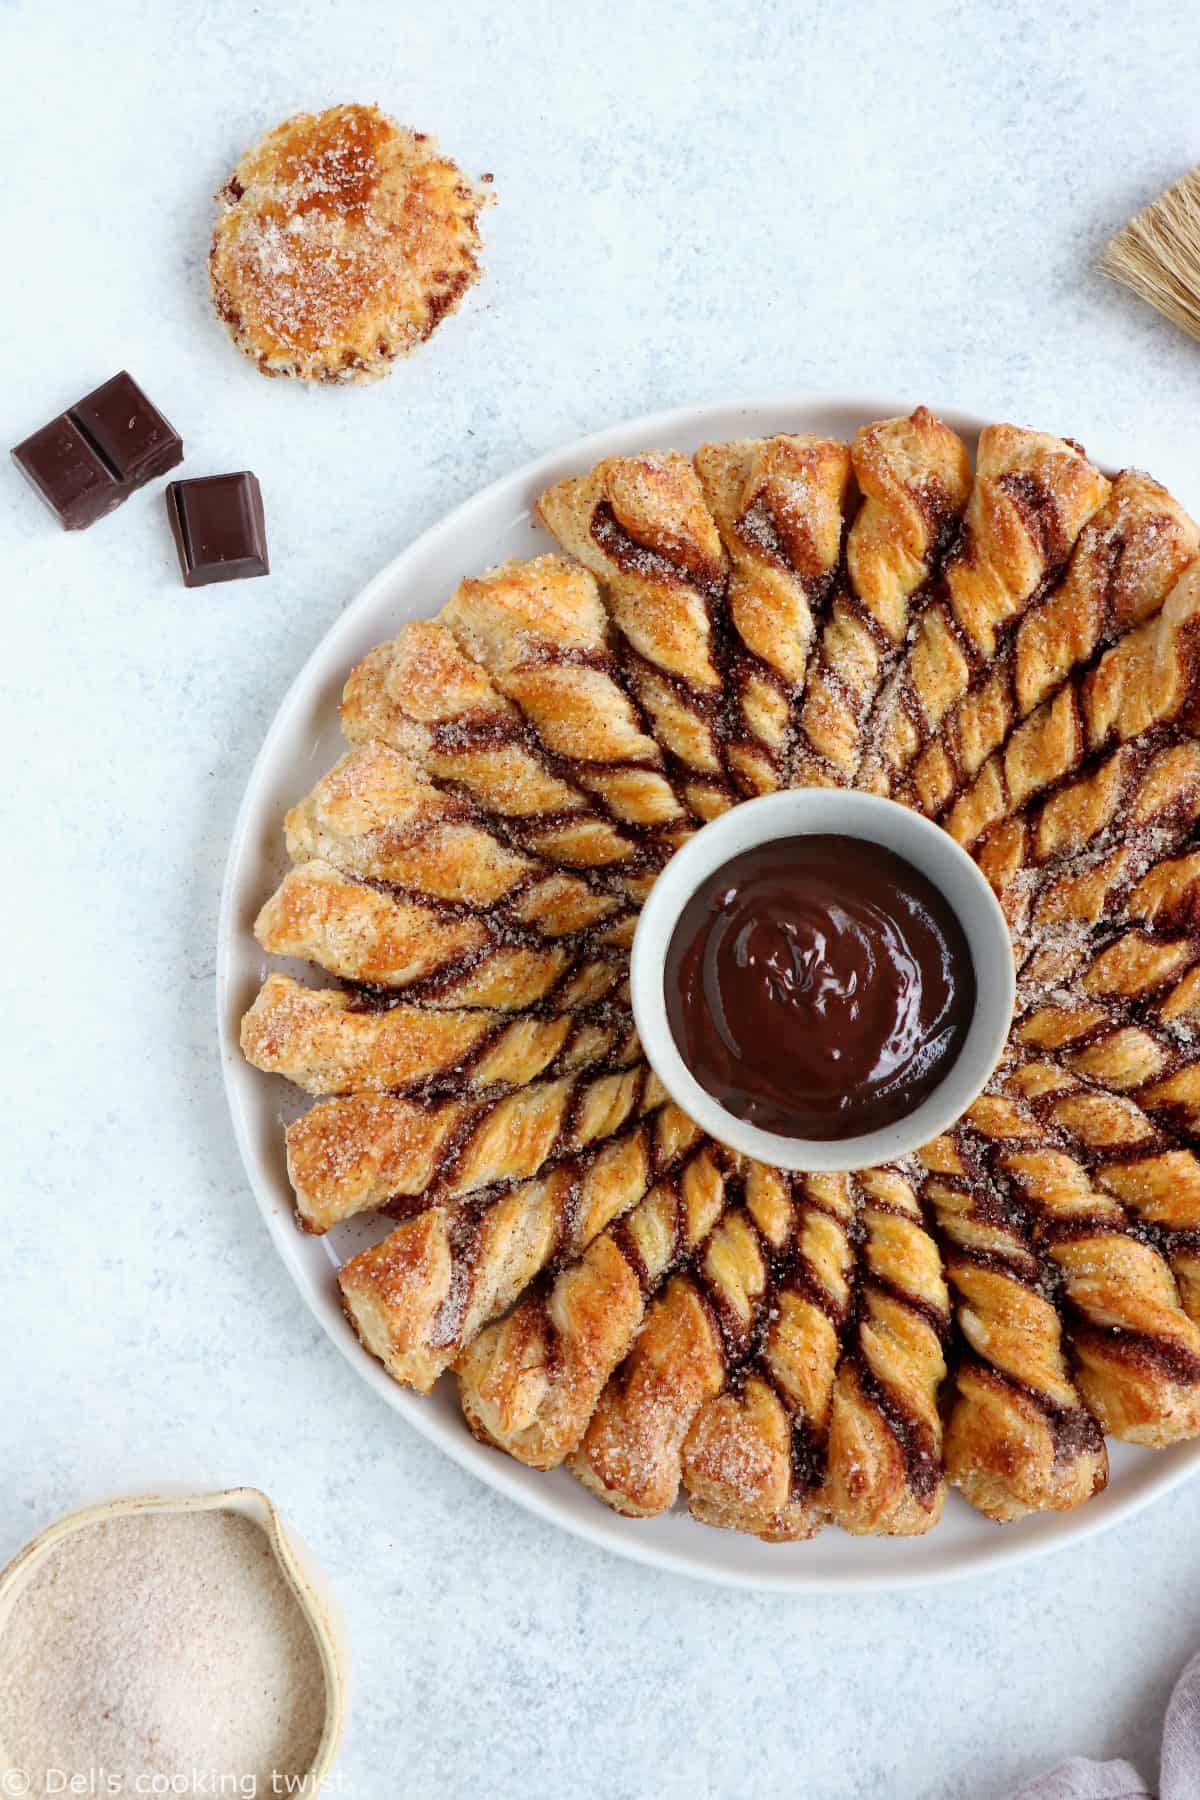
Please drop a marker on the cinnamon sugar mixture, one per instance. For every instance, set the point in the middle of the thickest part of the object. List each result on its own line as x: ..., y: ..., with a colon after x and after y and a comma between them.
x: 161, y: 1646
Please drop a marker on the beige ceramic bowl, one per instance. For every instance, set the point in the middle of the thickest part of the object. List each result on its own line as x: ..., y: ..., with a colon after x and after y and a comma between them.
x: 296, y: 1564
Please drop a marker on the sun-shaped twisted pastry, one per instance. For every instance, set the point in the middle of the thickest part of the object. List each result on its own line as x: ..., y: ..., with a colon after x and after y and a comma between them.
x: 419, y: 1297
x: 612, y: 1289
x: 1126, y: 561
x: 532, y: 1382
x: 1018, y: 1437
x: 914, y: 475
x: 1032, y: 496
x: 780, y: 505
x: 755, y: 1456
x: 641, y: 525
x: 343, y: 240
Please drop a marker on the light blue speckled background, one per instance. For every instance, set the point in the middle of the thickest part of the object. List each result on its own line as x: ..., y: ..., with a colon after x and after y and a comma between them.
x: 696, y: 203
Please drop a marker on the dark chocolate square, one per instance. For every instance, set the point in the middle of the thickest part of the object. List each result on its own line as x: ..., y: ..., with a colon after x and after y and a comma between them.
x: 76, y: 484
x: 93, y: 456
x: 218, y: 527
x: 129, y: 431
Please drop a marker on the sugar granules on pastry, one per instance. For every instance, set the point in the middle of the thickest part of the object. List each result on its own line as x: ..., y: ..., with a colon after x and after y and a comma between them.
x: 162, y: 1646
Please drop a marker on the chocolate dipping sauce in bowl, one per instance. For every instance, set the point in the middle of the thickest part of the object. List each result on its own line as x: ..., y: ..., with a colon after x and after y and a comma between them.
x: 823, y: 980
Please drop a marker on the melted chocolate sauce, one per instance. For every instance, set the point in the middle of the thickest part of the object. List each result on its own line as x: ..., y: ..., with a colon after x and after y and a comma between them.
x: 819, y: 987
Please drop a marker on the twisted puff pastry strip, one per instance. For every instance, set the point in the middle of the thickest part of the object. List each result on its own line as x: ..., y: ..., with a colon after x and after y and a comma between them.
x: 1018, y: 1436
x: 1136, y: 1352
x: 885, y: 1472
x: 694, y: 1335
x: 1150, y: 678
x: 368, y: 1151
x: 1127, y: 560
x: 1131, y: 1157
x: 640, y: 523
x: 367, y: 936
x: 1056, y: 861
x: 754, y: 1458
x: 1032, y: 496
x: 421, y: 695
x: 780, y: 506
x: 540, y: 630
x: 327, y: 1043
x: 915, y: 476
x: 531, y: 1383
x: 378, y: 817
x: 418, y: 1298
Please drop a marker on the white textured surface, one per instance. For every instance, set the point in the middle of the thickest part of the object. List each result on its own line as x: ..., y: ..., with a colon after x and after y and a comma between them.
x: 731, y: 200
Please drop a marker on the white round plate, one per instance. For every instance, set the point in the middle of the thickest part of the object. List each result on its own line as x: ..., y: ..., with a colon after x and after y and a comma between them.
x: 302, y: 743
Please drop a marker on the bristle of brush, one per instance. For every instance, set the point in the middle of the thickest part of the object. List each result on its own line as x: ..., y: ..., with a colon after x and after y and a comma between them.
x: 1158, y: 253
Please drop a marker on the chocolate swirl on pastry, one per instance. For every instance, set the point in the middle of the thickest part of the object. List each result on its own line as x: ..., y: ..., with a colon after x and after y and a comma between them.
x: 885, y: 1470
x: 331, y: 1042
x: 914, y: 475
x: 532, y: 1382
x: 755, y: 1456
x: 1018, y: 1436
x: 419, y: 1297
x: 641, y: 525
x: 375, y: 1151
x: 780, y: 505
x: 1127, y: 560
x: 1032, y: 496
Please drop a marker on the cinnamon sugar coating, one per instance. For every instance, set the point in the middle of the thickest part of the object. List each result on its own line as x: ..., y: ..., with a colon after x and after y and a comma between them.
x: 342, y: 242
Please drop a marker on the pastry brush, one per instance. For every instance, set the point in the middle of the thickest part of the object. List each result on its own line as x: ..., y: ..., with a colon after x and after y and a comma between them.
x: 1158, y: 253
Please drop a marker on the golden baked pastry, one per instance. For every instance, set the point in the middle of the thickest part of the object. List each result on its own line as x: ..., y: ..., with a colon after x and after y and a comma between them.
x: 343, y: 240
x: 1013, y: 649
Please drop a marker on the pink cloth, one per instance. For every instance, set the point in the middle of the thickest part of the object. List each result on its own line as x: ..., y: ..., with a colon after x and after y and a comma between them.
x: 1179, y: 1777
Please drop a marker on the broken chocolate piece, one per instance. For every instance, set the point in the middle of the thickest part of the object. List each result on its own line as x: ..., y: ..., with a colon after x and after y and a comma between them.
x: 93, y: 456
x: 218, y: 527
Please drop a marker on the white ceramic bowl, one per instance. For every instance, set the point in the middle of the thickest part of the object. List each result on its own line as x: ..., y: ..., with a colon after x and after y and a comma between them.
x: 296, y: 1563
x: 800, y: 813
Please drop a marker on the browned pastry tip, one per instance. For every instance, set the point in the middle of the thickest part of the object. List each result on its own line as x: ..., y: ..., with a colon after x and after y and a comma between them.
x: 780, y: 505
x: 371, y: 1150
x: 331, y: 1042
x: 377, y: 816
x: 1018, y: 1436
x: 1135, y: 1351
x: 424, y: 697
x: 342, y: 242
x: 914, y: 475
x: 1148, y: 680
x: 419, y: 1297
x: 531, y: 1383
x: 885, y: 1472
x: 1032, y: 496
x: 541, y: 631
x: 754, y: 1455
x: 641, y: 525
x: 1125, y: 563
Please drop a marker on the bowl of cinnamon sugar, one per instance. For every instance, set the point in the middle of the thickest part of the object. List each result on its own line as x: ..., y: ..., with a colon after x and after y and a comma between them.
x: 169, y: 1644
